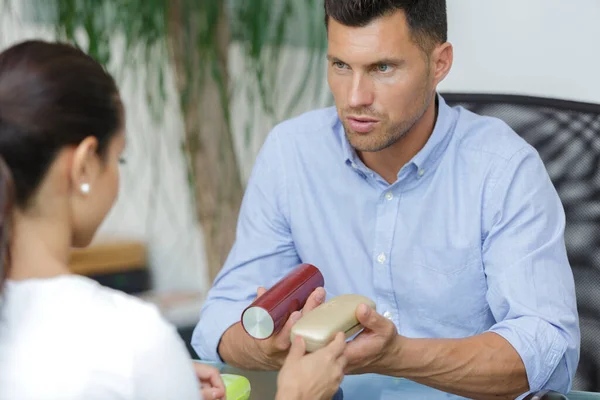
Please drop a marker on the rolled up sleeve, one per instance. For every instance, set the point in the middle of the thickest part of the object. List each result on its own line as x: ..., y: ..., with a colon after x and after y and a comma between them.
x: 531, y: 289
x: 215, y: 319
x: 542, y: 348
x: 263, y: 251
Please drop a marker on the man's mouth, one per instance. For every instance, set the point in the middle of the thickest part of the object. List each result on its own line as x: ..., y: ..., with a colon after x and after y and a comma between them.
x: 361, y: 124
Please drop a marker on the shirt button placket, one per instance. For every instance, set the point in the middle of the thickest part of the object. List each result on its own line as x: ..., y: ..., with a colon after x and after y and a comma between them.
x: 387, y: 212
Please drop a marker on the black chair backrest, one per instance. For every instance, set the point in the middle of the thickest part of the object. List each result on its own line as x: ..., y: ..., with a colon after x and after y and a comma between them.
x: 567, y: 136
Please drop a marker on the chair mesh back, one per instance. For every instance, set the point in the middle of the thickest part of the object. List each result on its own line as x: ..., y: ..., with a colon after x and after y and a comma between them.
x: 567, y: 136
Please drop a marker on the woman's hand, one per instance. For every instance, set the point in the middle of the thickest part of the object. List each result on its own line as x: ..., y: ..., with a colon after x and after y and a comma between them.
x: 315, y: 376
x: 211, y: 384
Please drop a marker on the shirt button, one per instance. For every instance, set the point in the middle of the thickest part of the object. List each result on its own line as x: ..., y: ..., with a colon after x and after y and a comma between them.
x: 421, y: 172
x: 354, y: 165
x: 389, y: 195
x: 387, y: 315
x: 381, y: 258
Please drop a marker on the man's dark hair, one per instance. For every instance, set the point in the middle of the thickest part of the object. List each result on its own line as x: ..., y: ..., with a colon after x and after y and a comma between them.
x: 427, y: 19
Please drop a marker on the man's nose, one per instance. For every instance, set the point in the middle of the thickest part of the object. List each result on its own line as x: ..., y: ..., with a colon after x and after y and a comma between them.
x: 361, y: 94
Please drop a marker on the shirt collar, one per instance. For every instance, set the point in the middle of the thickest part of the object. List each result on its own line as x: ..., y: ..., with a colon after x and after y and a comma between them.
x: 428, y: 154
x: 436, y: 143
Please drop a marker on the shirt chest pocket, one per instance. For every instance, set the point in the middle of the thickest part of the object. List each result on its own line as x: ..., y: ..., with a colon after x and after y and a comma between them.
x: 446, y: 286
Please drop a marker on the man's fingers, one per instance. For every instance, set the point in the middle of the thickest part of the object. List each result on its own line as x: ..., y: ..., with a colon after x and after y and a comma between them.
x: 282, y: 340
x: 316, y: 298
x: 261, y: 290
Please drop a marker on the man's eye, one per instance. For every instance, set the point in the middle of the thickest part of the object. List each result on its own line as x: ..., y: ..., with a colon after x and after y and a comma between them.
x: 339, y: 64
x: 383, y: 67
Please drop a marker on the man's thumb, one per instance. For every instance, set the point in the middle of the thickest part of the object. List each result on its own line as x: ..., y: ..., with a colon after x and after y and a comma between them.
x: 367, y: 317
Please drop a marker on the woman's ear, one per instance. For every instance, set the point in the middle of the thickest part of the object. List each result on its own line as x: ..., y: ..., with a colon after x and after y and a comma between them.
x: 85, y: 166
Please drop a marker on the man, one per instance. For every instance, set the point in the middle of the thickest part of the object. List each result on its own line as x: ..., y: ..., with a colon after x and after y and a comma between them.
x: 446, y: 219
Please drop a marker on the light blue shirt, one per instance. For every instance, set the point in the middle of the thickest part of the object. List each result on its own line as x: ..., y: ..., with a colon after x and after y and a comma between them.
x: 468, y: 239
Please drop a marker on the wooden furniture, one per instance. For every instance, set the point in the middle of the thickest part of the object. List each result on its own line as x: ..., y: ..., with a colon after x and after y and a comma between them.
x: 109, y: 257
x: 118, y: 264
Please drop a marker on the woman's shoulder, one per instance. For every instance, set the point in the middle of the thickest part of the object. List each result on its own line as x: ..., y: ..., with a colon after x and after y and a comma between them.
x: 94, y: 331
x: 83, y: 307
x: 126, y: 312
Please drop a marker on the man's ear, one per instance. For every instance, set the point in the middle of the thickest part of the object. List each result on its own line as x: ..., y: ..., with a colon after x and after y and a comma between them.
x: 85, y: 165
x: 442, y: 58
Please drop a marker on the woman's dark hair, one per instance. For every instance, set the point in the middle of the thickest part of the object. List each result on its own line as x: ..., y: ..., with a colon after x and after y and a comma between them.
x: 6, y: 200
x: 427, y: 19
x: 52, y: 95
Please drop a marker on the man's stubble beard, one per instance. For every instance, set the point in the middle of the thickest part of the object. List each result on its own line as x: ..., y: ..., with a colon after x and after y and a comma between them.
x: 377, y: 141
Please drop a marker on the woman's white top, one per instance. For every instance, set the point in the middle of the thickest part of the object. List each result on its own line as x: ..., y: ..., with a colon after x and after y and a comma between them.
x: 68, y: 338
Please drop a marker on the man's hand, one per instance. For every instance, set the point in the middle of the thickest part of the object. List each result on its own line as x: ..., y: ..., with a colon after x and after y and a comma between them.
x: 276, y: 347
x: 211, y: 384
x: 485, y: 366
x: 238, y: 349
x: 373, y: 350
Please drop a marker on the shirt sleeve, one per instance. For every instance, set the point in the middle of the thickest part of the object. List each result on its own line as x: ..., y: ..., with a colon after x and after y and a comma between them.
x: 162, y: 366
x: 262, y: 253
x: 531, y: 289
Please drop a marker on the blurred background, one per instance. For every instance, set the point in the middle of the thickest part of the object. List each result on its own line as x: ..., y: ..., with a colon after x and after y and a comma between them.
x: 204, y: 81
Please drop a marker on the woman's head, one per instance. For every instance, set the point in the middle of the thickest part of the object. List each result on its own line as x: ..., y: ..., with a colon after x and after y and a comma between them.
x: 6, y: 198
x: 61, y: 134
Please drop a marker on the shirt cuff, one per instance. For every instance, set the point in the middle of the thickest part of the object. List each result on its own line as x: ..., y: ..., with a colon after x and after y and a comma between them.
x: 539, y: 344
x: 214, y: 321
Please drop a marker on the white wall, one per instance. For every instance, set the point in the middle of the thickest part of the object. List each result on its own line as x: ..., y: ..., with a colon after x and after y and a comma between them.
x: 548, y: 48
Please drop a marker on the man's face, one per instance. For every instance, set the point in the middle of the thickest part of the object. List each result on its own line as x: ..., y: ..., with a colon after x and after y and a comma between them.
x: 380, y: 79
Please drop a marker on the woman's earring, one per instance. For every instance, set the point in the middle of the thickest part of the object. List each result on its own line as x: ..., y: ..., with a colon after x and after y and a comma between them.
x: 85, y: 188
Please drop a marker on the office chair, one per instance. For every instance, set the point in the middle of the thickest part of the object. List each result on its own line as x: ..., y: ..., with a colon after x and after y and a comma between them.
x: 546, y: 395
x: 567, y: 136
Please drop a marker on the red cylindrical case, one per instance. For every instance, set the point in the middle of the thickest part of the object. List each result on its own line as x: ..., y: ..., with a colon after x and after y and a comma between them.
x: 269, y: 313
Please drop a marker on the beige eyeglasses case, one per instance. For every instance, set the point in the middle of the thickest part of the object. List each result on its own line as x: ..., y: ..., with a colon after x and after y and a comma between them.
x: 319, y: 326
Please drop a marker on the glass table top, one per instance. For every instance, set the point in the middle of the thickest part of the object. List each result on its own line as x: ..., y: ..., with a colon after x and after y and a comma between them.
x: 360, y: 387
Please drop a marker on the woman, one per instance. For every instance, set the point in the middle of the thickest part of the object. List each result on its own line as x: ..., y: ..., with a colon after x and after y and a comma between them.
x: 64, y: 336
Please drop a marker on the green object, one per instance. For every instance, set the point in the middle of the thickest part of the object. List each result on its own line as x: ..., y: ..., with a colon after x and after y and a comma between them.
x: 237, y: 387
